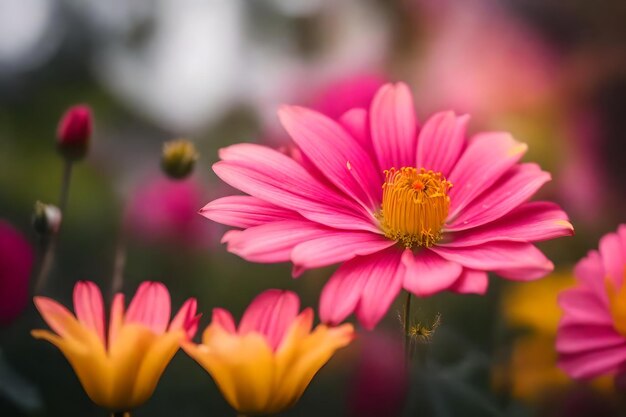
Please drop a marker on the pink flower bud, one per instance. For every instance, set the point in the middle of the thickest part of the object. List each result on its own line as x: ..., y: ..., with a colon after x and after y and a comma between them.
x: 74, y: 131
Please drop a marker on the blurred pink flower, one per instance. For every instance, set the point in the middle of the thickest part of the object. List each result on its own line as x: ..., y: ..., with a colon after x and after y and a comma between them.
x: 165, y: 211
x: 380, y: 385
x: 74, y: 130
x: 396, y: 205
x: 16, y: 262
x: 481, y: 60
x: 591, y: 338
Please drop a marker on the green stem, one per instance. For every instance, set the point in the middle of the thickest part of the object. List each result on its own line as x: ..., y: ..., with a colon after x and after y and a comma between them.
x: 49, y: 243
x: 407, y: 328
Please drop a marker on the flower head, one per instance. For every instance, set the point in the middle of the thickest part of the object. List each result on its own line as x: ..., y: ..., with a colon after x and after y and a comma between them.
x: 264, y: 365
x: 119, y: 368
x: 397, y: 204
x: 178, y: 158
x: 46, y: 218
x: 74, y: 131
x: 16, y: 262
x: 591, y: 338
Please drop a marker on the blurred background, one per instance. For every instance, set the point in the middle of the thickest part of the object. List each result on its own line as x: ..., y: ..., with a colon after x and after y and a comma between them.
x: 551, y: 72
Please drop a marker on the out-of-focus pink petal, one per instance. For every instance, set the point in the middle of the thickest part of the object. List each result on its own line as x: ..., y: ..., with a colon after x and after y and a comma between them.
x: 582, y: 306
x: 611, y: 251
x: 271, y: 313
x: 590, y: 271
x: 428, y: 273
x: 486, y: 159
x: 224, y: 319
x: 278, y: 179
x: 186, y: 319
x: 244, y: 211
x: 356, y: 122
x: 513, y: 260
x: 273, y: 242
x: 471, y: 282
x: 574, y: 338
x: 16, y: 262
x: 335, y: 153
x: 355, y: 91
x: 59, y: 318
x: 393, y: 126
x: 151, y: 307
x: 514, y: 188
x: 593, y: 363
x: 89, y: 307
x: 441, y: 141
x: 531, y: 222
x: 367, y: 284
x: 335, y: 247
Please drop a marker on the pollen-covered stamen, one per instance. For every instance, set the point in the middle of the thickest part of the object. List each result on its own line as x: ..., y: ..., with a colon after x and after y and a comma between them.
x: 415, y: 206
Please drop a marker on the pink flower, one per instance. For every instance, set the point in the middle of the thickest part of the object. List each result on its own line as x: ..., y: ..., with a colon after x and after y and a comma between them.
x: 396, y: 204
x: 74, y: 130
x: 16, y: 262
x: 118, y: 362
x: 591, y: 338
x: 165, y: 211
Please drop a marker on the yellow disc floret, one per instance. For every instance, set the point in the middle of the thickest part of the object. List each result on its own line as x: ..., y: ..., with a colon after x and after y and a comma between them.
x: 415, y: 206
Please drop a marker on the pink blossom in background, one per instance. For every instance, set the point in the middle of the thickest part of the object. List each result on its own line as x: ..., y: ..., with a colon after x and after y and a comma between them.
x: 380, y: 384
x: 16, y: 262
x: 591, y: 338
x: 398, y: 204
x: 75, y: 127
x: 165, y: 211
x: 481, y: 60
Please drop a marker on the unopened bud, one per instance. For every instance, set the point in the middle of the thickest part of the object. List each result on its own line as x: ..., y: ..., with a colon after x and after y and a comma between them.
x: 46, y: 219
x: 74, y: 132
x: 178, y: 158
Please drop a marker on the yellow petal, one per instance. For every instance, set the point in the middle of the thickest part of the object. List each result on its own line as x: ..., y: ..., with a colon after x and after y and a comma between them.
x: 241, y: 366
x: 88, y: 359
x: 126, y: 355
x: 301, y: 358
x: 154, y: 363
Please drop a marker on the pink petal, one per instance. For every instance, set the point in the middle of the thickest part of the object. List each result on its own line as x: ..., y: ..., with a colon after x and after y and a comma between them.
x: 581, y: 306
x: 245, y: 211
x: 590, y: 271
x: 356, y: 123
x: 530, y: 222
x: 278, y: 179
x: 367, y: 284
x: 335, y: 247
x: 593, y: 363
x: 89, y: 307
x: 150, y: 306
x: 271, y: 313
x: 514, y: 188
x: 513, y: 260
x: 273, y: 242
x: 574, y: 338
x: 611, y: 250
x: 488, y: 156
x: 224, y: 319
x: 116, y: 317
x: 471, y: 282
x: 186, y: 319
x: 428, y: 273
x: 393, y: 126
x: 441, y: 141
x: 335, y: 153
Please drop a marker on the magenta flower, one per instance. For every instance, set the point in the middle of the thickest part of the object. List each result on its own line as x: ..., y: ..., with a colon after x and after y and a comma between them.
x: 16, y: 262
x: 591, y: 338
x: 398, y: 206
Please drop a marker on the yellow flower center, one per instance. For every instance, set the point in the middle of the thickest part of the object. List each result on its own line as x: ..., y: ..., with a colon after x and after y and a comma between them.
x: 617, y: 305
x: 415, y: 206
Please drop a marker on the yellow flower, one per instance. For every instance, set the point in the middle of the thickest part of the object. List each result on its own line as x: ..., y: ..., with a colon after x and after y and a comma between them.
x: 264, y: 366
x: 119, y: 372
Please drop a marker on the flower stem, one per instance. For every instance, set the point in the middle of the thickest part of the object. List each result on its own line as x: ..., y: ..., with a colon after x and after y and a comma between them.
x: 407, y: 328
x: 120, y: 414
x: 49, y: 243
x: 119, y: 264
